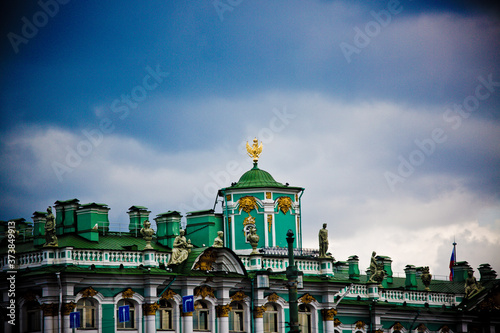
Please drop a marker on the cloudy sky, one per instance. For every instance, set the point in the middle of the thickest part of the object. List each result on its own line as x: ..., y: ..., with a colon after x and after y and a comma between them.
x: 386, y: 112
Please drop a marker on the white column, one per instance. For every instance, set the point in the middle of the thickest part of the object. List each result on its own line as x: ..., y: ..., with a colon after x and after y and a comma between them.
x: 187, y: 322
x: 259, y: 324
x: 329, y: 327
x: 150, y: 323
x: 49, y: 324
x: 66, y: 324
x: 224, y: 325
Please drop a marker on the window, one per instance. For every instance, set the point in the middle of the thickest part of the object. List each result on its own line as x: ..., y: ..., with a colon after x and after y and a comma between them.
x: 271, y: 318
x: 86, y: 308
x: 236, y: 316
x: 33, y: 317
x: 128, y: 324
x: 246, y: 230
x: 200, y: 316
x: 305, y: 318
x: 165, y: 313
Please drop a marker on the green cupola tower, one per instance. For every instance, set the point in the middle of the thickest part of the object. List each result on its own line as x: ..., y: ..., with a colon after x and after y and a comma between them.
x: 258, y: 201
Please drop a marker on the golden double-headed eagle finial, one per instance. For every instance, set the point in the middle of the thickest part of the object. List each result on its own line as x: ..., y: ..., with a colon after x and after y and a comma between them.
x: 254, y: 150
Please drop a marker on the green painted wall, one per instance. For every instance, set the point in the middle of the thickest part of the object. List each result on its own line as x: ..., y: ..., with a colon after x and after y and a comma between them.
x: 202, y: 229
x: 108, y: 318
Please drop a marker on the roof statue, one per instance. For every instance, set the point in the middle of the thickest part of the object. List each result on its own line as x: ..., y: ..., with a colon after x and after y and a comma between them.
x: 50, y: 229
x: 181, y: 249
x: 147, y: 234
x: 323, y: 241
x: 254, y: 150
x: 218, y: 241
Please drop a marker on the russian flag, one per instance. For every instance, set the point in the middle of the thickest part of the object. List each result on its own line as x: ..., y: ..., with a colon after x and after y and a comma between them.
x: 452, y: 263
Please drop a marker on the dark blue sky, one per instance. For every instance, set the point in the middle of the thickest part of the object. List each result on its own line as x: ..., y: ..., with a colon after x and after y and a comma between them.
x: 337, y: 124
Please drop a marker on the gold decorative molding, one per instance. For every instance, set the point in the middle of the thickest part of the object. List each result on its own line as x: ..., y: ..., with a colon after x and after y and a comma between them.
x: 284, y: 203
x: 186, y: 314
x: 337, y: 322
x: 206, y: 260
x: 128, y: 293
x: 421, y: 328
x: 379, y: 331
x: 239, y: 296
x: 50, y: 310
x: 88, y: 292
x: 67, y: 308
x: 296, y: 197
x: 223, y: 310
x: 273, y: 298
x: 249, y: 220
x: 444, y: 329
x: 168, y: 294
x: 229, y: 221
x: 268, y: 195
x: 491, y: 303
x: 328, y: 314
x: 360, y: 325
x: 258, y: 311
x: 307, y: 299
x: 269, y: 222
x: 150, y: 308
x: 247, y: 204
x: 228, y: 197
x: 397, y: 326
x: 204, y: 291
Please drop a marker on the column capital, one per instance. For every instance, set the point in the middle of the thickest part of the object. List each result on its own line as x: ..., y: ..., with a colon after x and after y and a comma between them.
x: 258, y: 311
x: 223, y: 310
x: 150, y: 308
x: 328, y: 314
x: 67, y: 308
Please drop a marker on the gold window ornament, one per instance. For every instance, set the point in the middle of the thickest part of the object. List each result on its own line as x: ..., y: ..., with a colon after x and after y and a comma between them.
x: 284, y: 203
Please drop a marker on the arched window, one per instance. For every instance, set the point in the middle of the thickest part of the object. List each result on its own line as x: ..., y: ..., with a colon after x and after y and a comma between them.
x: 33, y: 317
x: 86, y: 307
x: 246, y: 230
x: 305, y: 318
x: 236, y: 318
x: 271, y: 318
x: 200, y: 316
x: 127, y: 324
x: 165, y: 313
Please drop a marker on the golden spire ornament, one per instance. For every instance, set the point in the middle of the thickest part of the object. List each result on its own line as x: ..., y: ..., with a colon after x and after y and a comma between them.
x: 254, y: 150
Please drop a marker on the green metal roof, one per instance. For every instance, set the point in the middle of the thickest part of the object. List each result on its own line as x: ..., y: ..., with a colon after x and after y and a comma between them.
x: 256, y: 177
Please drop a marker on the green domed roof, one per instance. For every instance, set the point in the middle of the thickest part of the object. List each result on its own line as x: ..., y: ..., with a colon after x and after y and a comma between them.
x: 256, y: 177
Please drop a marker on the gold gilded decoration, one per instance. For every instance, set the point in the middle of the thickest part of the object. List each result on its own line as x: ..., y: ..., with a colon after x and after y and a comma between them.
x: 247, y: 203
x: 444, y: 329
x: 258, y: 311
x: 284, y: 203
x: 205, y: 261
x: 128, y: 293
x: 229, y: 221
x: 421, y: 328
x: 223, y: 310
x: 50, y: 310
x: 379, y: 331
x: 228, y: 197
x: 307, y: 299
x: 337, y: 322
x: 268, y: 195
x: 397, y: 326
x: 249, y: 220
x: 88, y: 292
x: 238, y: 296
x: 67, y: 308
x: 296, y: 197
x: 273, y: 297
x: 360, y: 325
x: 255, y: 150
x: 269, y: 222
x: 186, y: 314
x: 328, y: 314
x: 168, y: 294
x: 204, y: 291
x: 150, y: 308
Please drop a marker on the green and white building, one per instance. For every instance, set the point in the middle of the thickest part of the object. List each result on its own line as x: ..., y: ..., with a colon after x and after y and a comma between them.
x: 95, y: 272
